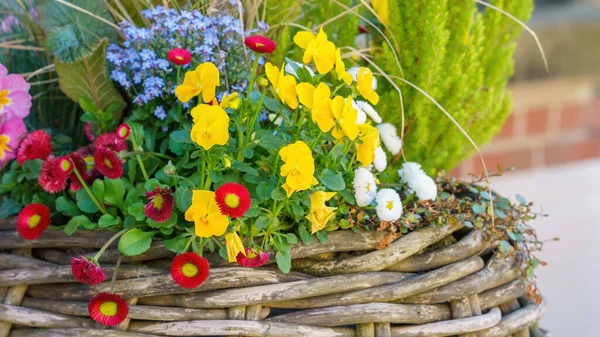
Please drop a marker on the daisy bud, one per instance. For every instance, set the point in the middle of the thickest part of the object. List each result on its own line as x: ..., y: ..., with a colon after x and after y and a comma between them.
x: 253, y: 258
x: 179, y: 56
x: 170, y: 169
x: 260, y: 44
x: 123, y: 131
x: 65, y: 165
x: 87, y: 271
x: 263, y: 82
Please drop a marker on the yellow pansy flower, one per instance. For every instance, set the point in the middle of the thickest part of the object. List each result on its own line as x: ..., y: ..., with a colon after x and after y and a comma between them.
x: 310, y: 96
x: 211, y: 126
x: 318, y: 49
x: 204, y: 79
x: 369, y: 141
x: 364, y: 84
x: 206, y: 215
x: 340, y: 68
x: 234, y: 246
x: 298, y: 167
x: 319, y: 214
x: 345, y: 118
x: 382, y: 9
x: 323, y: 115
x: 284, y: 85
x: 232, y: 101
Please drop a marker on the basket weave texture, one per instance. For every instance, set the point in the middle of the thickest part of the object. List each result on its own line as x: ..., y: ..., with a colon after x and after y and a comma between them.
x: 344, y: 287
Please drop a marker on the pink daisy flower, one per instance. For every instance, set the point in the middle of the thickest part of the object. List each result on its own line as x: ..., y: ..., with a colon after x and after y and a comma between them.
x: 15, y: 100
x: 11, y: 134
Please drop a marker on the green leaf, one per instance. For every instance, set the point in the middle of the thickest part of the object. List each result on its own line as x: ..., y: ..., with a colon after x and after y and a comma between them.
x: 348, y: 196
x: 32, y: 168
x: 243, y: 167
x: 135, y: 242
x: 284, y: 261
x: 180, y: 136
x: 66, y: 206
x: 269, y: 141
x: 98, y: 189
x: 248, y: 153
x: 87, y: 78
x: 262, y: 222
x: 322, y: 236
x: 305, y: 236
x: 115, y: 191
x: 108, y: 220
x: 176, y: 244
x: 84, y: 202
x: 183, y: 198
x: 9, y: 207
x: 264, y: 189
x: 504, y: 246
x: 477, y: 208
x: 171, y: 221
x: 137, y: 211
x: 72, y: 34
x: 332, y: 180
x: 75, y: 222
x: 521, y: 199
x: 291, y: 238
x: 151, y: 184
x: 216, y: 176
x: 278, y: 194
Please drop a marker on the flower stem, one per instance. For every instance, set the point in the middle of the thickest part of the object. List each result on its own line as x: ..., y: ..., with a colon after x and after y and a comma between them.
x: 253, y: 76
x: 114, y: 276
x: 179, y: 108
x: 108, y: 243
x: 187, y: 245
x: 250, y: 128
x: 139, y: 158
x: 89, y: 192
x: 144, y: 153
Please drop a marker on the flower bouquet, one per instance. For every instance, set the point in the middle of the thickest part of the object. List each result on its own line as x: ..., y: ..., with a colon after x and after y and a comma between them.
x: 224, y: 153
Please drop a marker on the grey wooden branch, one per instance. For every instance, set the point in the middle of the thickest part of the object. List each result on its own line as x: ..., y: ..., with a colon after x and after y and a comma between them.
x: 365, y: 313
x: 53, y: 239
x: 502, y: 294
x: 41, y: 319
x: 401, y: 249
x: 517, y: 320
x: 390, y: 292
x: 237, y: 328
x: 315, y: 287
x: 63, y: 274
x: 451, y: 328
x: 74, y: 333
x: 220, y: 278
x: 472, y: 244
x: 496, y: 273
x: 13, y: 261
x: 8, y: 224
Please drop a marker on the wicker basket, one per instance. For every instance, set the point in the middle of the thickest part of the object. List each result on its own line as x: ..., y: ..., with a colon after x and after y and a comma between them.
x: 341, y: 288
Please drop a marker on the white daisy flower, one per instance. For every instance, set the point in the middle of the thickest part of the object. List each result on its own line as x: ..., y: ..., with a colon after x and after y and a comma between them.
x: 418, y: 181
x: 389, y: 205
x: 365, y: 186
x: 380, y: 161
x: 361, y: 116
x: 389, y: 137
x: 369, y: 111
x: 354, y: 73
x: 290, y: 70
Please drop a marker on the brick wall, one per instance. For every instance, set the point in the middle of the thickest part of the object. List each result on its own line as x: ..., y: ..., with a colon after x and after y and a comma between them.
x: 553, y: 121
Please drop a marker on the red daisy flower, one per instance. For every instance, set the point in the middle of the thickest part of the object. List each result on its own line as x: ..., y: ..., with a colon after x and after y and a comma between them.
x: 253, y: 258
x: 33, y: 220
x: 65, y: 165
x: 189, y: 270
x: 87, y: 271
x: 51, y: 178
x: 179, y: 56
x: 161, y: 204
x: 260, y: 44
x: 36, y: 145
x: 233, y: 199
x: 111, y: 142
x: 123, y: 131
x: 108, y: 309
x: 81, y: 167
x: 108, y: 163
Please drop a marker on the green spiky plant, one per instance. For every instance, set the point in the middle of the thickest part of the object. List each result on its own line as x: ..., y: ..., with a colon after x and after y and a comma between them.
x: 462, y: 56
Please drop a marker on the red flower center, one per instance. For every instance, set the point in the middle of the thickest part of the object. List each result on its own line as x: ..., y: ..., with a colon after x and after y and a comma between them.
x: 108, y: 308
x: 189, y: 269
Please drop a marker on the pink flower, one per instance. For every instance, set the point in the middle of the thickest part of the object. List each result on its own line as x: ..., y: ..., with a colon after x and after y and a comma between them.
x: 11, y: 134
x: 15, y: 100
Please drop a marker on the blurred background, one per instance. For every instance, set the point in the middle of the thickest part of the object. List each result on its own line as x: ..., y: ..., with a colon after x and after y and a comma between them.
x: 552, y: 137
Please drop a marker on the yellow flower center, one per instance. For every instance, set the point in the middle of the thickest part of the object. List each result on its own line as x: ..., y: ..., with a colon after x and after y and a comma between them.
x: 251, y: 254
x: 158, y: 201
x: 189, y: 269
x: 232, y: 200
x: 65, y: 165
x: 258, y: 44
x: 4, y: 99
x: 4, y: 139
x: 34, y: 221
x: 390, y: 205
x: 108, y: 308
x: 180, y: 58
x: 107, y: 163
x: 368, y: 187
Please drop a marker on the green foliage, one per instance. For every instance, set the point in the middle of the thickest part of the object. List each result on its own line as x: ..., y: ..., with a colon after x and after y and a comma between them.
x: 87, y: 79
x: 72, y: 35
x: 462, y: 57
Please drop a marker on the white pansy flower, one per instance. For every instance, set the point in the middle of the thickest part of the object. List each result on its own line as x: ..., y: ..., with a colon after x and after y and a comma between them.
x: 389, y: 205
x: 365, y: 186
x: 389, y: 137
x: 289, y: 69
x: 367, y: 109
x: 418, y: 181
x: 361, y: 116
x: 380, y: 161
x: 354, y: 73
